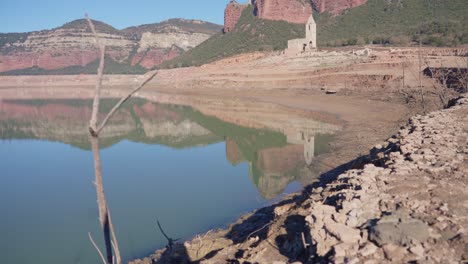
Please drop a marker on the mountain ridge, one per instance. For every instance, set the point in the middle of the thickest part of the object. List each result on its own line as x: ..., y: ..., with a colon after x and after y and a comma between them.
x: 70, y: 48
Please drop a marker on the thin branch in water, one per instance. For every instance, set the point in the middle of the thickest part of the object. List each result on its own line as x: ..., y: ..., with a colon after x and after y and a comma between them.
x: 114, y: 242
x: 170, y: 241
x: 96, y: 247
x: 94, y: 130
x: 101, y: 199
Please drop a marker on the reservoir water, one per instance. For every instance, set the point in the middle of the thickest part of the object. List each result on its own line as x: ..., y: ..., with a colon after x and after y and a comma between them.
x: 170, y: 163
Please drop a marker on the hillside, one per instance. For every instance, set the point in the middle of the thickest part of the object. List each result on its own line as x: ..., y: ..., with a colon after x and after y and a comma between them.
x: 433, y: 22
x: 81, y: 25
x: 250, y: 34
x: 173, y: 25
x: 70, y: 49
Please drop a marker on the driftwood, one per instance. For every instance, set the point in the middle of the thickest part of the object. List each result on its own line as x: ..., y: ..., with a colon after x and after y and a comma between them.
x: 110, y: 238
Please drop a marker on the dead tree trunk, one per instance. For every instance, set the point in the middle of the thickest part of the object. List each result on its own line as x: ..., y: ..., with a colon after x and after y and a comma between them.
x: 105, y: 219
x: 101, y: 199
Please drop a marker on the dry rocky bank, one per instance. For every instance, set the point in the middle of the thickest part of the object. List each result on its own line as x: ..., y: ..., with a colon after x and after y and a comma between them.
x: 407, y: 201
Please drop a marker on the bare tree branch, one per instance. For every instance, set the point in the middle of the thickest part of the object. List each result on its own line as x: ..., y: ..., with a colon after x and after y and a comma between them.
x: 97, y: 248
x: 170, y: 241
x: 97, y: 91
x: 116, y: 107
x: 101, y: 198
x: 115, y: 244
x: 162, y: 231
x: 104, y: 212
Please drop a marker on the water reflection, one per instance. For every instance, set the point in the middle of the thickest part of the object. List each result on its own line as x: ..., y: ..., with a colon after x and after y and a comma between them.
x: 191, y: 166
x: 275, y: 159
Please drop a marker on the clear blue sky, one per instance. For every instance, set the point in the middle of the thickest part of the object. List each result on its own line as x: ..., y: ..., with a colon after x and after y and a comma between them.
x: 30, y: 15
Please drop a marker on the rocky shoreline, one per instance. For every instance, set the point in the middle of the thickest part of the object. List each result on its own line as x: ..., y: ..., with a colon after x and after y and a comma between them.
x: 407, y: 201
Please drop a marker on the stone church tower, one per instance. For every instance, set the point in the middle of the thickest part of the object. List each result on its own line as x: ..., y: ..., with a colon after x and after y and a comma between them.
x: 311, y: 33
x: 309, y: 43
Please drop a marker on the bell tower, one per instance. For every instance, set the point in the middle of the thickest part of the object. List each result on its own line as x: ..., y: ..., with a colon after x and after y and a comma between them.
x: 311, y: 33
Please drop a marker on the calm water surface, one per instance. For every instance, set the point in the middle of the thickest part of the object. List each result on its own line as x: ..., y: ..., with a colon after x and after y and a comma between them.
x: 192, y: 172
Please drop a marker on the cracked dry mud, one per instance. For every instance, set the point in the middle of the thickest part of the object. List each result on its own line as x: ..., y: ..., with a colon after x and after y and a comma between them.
x: 407, y: 201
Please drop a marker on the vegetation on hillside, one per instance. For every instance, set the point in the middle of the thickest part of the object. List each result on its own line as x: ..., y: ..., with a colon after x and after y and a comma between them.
x: 111, y: 67
x: 82, y: 24
x: 173, y: 25
x: 396, y: 22
x: 11, y: 38
x: 8, y: 41
x: 431, y: 22
x: 250, y: 34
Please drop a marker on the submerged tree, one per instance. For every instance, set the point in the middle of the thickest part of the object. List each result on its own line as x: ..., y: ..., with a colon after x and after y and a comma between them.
x: 112, y: 248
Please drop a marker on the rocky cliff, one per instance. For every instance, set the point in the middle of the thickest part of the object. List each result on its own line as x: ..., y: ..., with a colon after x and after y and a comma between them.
x: 72, y: 44
x: 292, y: 11
x: 232, y: 13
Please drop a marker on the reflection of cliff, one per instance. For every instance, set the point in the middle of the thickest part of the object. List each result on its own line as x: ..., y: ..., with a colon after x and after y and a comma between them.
x: 233, y: 153
x: 273, y: 169
x: 276, y: 168
x: 67, y: 121
x: 275, y: 159
x: 57, y: 121
x: 170, y: 127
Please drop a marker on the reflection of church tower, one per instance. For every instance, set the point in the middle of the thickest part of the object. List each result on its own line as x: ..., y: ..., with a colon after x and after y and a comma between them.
x: 311, y: 33
x: 309, y: 148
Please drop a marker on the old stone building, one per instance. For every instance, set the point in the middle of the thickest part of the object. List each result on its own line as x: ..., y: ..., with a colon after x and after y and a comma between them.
x: 308, y: 43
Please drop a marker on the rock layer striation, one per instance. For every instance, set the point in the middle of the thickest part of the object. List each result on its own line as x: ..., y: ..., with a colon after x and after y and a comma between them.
x: 73, y: 45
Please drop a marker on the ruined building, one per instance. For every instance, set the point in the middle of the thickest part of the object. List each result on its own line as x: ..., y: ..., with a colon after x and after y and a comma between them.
x: 308, y: 43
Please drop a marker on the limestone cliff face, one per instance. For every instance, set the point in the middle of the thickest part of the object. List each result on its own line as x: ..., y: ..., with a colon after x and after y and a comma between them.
x: 61, y: 48
x: 183, y: 40
x: 73, y: 44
